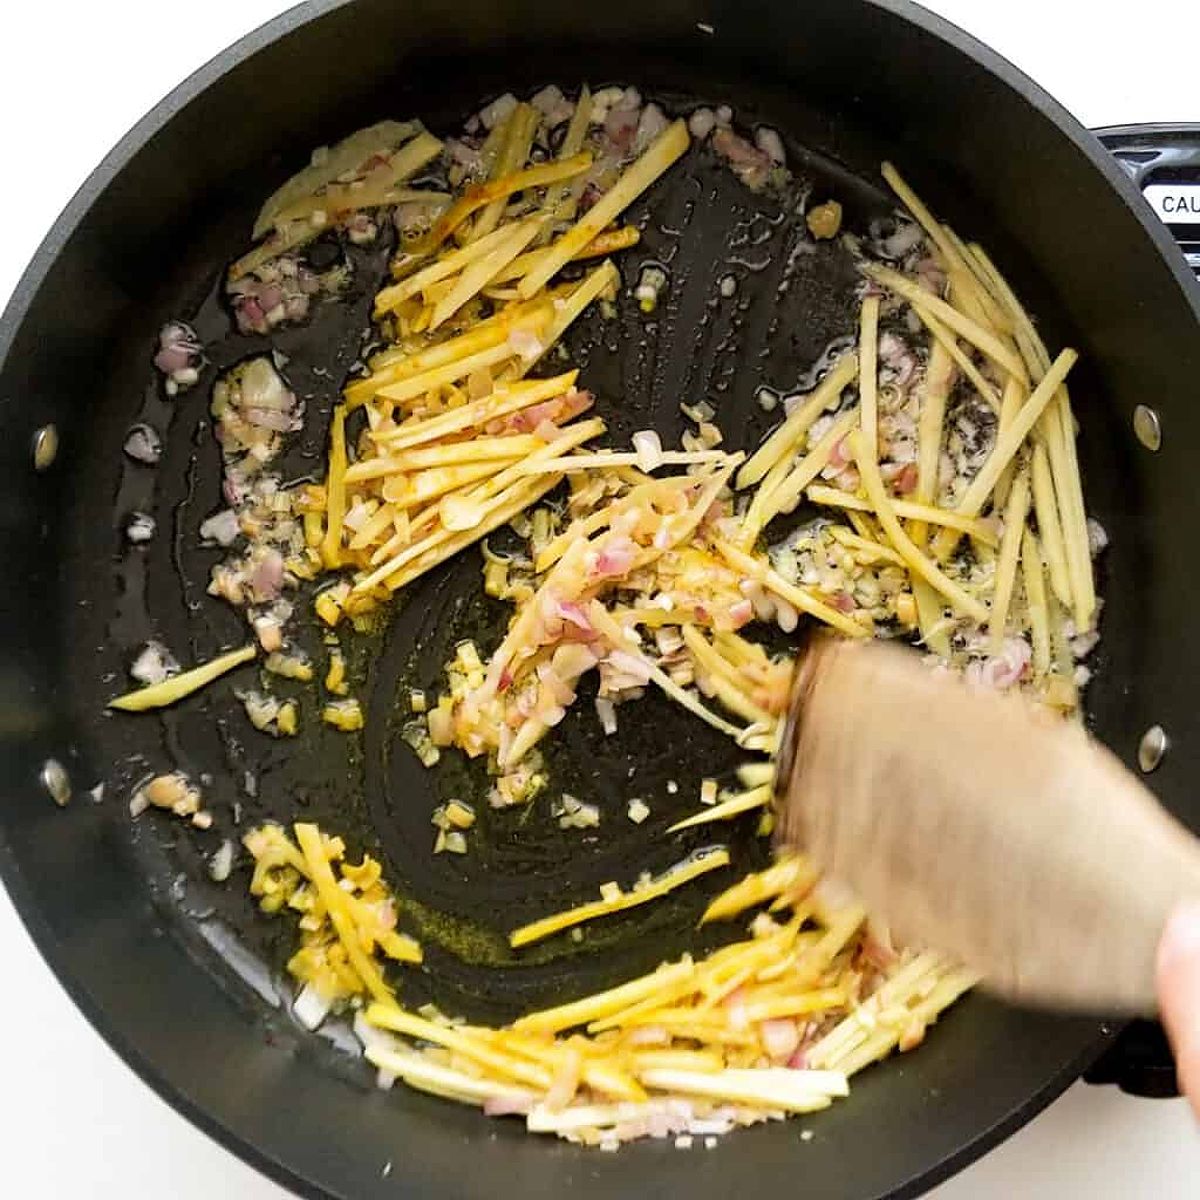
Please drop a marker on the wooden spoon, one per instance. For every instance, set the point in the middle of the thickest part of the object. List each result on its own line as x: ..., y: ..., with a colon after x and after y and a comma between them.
x: 982, y: 825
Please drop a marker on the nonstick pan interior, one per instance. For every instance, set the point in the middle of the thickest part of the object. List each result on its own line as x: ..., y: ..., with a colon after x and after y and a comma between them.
x: 373, y: 792
x: 791, y: 300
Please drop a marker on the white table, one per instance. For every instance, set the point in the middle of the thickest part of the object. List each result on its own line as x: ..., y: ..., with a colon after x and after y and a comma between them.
x: 75, y: 1120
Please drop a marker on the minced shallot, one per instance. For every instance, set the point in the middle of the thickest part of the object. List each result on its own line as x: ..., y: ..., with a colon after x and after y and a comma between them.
x: 154, y: 664
x: 144, y: 444
x: 222, y: 527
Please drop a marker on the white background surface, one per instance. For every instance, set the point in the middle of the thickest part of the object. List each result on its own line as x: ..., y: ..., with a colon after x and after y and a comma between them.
x: 74, y: 1120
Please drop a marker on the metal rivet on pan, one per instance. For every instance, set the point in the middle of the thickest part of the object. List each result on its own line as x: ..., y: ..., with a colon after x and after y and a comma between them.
x: 45, y: 447
x: 1147, y: 427
x: 1151, y: 748
x: 55, y: 780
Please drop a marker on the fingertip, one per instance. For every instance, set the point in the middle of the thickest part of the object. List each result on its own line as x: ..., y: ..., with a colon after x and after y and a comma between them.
x: 1178, y: 971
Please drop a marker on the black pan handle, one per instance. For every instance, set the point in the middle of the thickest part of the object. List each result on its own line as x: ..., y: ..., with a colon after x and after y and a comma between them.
x: 1164, y: 162
x: 1139, y: 1062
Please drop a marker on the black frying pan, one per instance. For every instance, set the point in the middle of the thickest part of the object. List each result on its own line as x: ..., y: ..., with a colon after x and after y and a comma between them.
x: 124, y: 913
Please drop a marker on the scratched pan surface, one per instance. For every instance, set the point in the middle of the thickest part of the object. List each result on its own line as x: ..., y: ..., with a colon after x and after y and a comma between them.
x: 184, y: 976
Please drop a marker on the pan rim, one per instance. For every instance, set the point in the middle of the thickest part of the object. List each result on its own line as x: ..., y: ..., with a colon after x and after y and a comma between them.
x: 31, y: 281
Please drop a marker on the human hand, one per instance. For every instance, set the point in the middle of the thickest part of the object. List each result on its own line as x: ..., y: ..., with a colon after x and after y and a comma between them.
x: 1179, y: 995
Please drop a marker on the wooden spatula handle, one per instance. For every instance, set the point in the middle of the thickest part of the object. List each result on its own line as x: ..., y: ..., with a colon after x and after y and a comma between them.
x: 984, y: 827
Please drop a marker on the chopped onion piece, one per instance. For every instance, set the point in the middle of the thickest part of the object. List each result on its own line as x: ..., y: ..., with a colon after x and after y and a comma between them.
x: 460, y: 513
x: 310, y: 1008
x: 154, y: 664
x: 140, y: 528
x: 222, y: 527
x: 607, y: 712
x: 648, y: 447
x: 144, y: 444
x: 220, y: 866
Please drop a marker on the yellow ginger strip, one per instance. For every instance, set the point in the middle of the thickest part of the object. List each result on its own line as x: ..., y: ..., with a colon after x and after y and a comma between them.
x: 910, y: 510
x: 562, y: 200
x: 603, y: 621
x: 868, y: 376
x: 388, y: 1016
x: 715, y: 666
x: 335, y: 900
x: 945, y: 992
x: 604, y: 277
x: 391, y: 366
x: 506, y: 506
x: 449, y: 264
x: 659, y: 155
x: 931, y: 618
x: 1046, y: 506
x: 603, y: 1004
x: 753, y: 519
x: 867, y: 549
x: 856, y: 1028
x: 944, y: 238
x: 418, y: 385
x: 788, y: 493
x: 812, y: 963
x: 294, y: 226
x: 945, y: 340
x: 796, y: 1004
x: 338, y: 198
x: 479, y: 274
x: 1059, y: 428
x: 1035, y: 602
x: 1007, y: 444
x: 349, y: 154
x: 783, y: 440
x: 745, y: 802
x: 423, y: 1073
x: 763, y: 1087
x: 159, y: 695
x: 1015, y: 513
x: 916, y: 206
x: 991, y: 310
x: 481, y: 195
x: 700, y: 864
x: 437, y: 543
x: 756, y: 774
x: 608, y: 242
x: 584, y: 527
x: 474, y: 449
x: 984, y: 340
x: 868, y: 471
x: 684, y: 986
x: 601, y: 460
x: 798, y: 597
x: 1013, y: 400
x: 676, y: 1060
x: 417, y: 489
x: 737, y: 701
x: 398, y: 946
x: 1068, y: 487
x: 414, y: 346
x: 519, y: 131
x: 335, y: 490
x: 791, y: 874
x: 508, y: 398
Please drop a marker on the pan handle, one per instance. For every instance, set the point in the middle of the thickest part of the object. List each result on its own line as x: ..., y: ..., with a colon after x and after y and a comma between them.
x: 1164, y: 162
x: 1139, y: 1062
